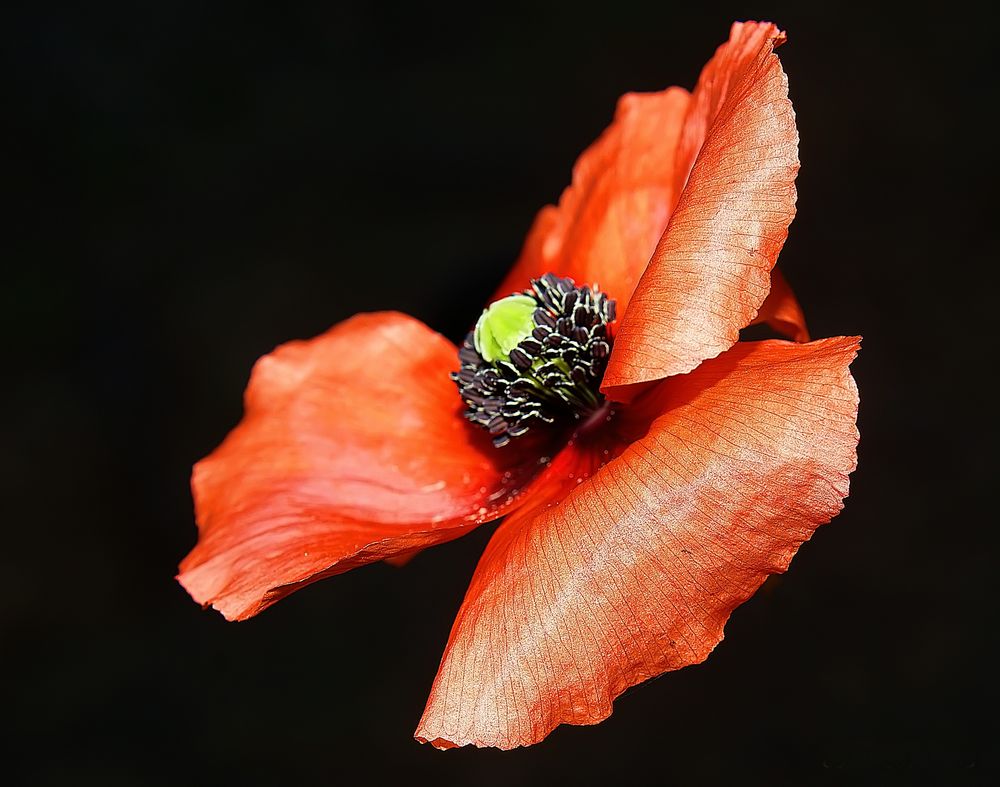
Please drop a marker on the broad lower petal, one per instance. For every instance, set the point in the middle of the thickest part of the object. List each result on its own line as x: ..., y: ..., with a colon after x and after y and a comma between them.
x: 710, y: 272
x: 636, y: 570
x: 609, y: 220
x: 352, y: 449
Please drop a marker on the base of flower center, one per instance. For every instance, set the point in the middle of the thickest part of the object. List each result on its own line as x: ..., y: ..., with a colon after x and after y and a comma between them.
x: 595, y: 420
x: 553, y: 374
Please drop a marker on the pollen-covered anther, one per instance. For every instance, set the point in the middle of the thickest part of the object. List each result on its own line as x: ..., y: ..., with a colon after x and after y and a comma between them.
x: 536, y: 357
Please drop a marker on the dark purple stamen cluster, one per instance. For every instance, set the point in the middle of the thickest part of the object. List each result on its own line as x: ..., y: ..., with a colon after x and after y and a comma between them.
x: 554, y: 373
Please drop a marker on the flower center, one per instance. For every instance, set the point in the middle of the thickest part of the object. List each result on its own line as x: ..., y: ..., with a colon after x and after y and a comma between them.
x: 536, y: 357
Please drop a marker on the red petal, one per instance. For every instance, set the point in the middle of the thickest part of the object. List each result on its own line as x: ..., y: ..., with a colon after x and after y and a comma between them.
x: 636, y: 571
x: 710, y: 272
x: 352, y: 450
x: 782, y: 311
x: 609, y: 220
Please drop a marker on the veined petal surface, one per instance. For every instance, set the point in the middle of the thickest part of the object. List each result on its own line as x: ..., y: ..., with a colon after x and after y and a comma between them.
x: 710, y: 272
x: 636, y: 570
x: 352, y: 449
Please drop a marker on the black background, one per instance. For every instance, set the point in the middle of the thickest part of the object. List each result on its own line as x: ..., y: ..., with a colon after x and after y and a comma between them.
x: 196, y: 183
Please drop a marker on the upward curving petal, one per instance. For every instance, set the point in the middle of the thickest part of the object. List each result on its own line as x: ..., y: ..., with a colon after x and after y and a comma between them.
x: 717, y: 81
x: 710, y: 272
x: 609, y: 220
x: 352, y: 449
x: 636, y: 571
x: 781, y: 310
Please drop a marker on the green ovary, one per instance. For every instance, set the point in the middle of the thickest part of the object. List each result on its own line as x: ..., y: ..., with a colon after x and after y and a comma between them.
x: 503, y: 326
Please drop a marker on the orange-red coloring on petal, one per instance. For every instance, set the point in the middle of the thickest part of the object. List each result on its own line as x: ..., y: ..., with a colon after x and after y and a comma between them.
x: 629, y: 536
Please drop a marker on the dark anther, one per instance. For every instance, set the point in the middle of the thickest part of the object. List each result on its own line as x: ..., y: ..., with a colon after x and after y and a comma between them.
x: 497, y: 425
x: 520, y: 359
x: 522, y: 388
x: 508, y: 370
x: 468, y: 356
x: 532, y: 347
x: 543, y: 317
x: 493, y: 403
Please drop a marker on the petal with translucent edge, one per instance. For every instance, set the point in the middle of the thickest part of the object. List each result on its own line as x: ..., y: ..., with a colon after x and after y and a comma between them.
x: 352, y: 449
x: 636, y: 571
x: 710, y: 272
x: 609, y: 220
x: 781, y: 310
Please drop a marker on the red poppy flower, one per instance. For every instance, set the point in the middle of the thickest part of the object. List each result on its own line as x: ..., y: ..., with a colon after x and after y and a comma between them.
x: 652, y: 470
